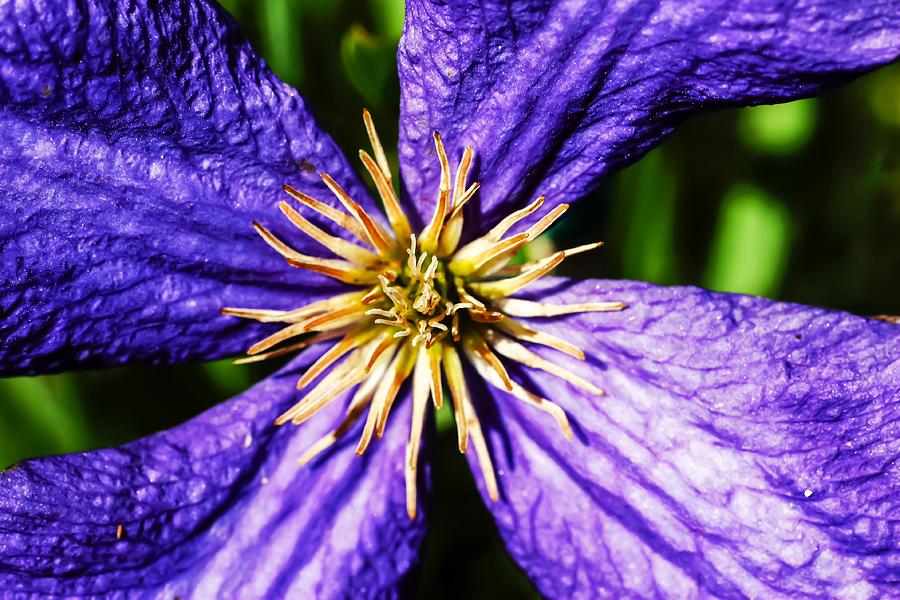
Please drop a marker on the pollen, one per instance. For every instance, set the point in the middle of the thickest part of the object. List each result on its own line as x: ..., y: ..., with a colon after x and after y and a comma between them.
x: 423, y: 305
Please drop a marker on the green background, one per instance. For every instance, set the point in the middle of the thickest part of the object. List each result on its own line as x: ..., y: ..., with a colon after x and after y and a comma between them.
x: 798, y: 202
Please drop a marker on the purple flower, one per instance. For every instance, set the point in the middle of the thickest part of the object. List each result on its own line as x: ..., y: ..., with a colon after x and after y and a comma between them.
x: 744, y: 448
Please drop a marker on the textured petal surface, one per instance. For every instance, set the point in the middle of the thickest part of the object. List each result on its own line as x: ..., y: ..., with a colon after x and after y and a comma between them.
x: 215, y: 508
x: 744, y: 448
x: 553, y: 94
x: 137, y: 142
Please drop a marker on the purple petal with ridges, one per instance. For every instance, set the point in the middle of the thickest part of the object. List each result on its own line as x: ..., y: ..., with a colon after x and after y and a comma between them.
x: 744, y: 448
x: 138, y: 140
x: 215, y: 508
x: 552, y: 95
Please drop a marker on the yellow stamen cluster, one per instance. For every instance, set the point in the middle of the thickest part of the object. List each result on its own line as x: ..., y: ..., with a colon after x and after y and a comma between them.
x: 423, y: 302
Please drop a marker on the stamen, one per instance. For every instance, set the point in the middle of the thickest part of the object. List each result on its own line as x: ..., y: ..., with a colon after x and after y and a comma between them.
x: 458, y: 392
x: 462, y: 173
x: 463, y: 257
x: 388, y: 314
x: 521, y: 393
x: 321, y: 337
x: 411, y: 261
x: 373, y: 296
x: 500, y: 253
x: 485, y: 316
x: 481, y: 451
x: 467, y: 422
x: 432, y: 269
x: 322, y: 322
x: 453, y: 226
x: 276, y: 244
x: 361, y: 399
x: 888, y: 318
x: 523, y: 332
x: 503, y: 226
x: 583, y: 248
x: 330, y: 320
x: 467, y: 195
x: 374, y: 232
x: 477, y: 310
x: 519, y: 353
x: 380, y: 156
x: 351, y: 341
x: 338, y: 246
x: 546, y: 221
x: 393, y: 318
x: 324, y: 306
x: 356, y: 409
x: 432, y: 231
x: 291, y: 316
x: 510, y: 270
x: 386, y: 342
x: 336, y: 270
x: 419, y: 264
x: 423, y: 335
x: 323, y: 394
x: 276, y: 338
x: 482, y: 354
x: 468, y: 298
x: 436, y: 323
x: 407, y: 360
x: 395, y: 375
x: 427, y: 300
x: 452, y: 309
x: 261, y: 315
x: 339, y: 379
x: 421, y: 389
x: 506, y: 287
x: 382, y: 179
x: 394, y: 294
x: 435, y: 339
x: 342, y: 219
x: 246, y: 360
x: 437, y: 390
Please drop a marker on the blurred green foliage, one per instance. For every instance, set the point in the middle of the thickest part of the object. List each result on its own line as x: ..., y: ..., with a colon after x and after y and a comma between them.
x: 649, y: 251
x: 750, y: 246
x: 781, y: 129
x: 799, y: 202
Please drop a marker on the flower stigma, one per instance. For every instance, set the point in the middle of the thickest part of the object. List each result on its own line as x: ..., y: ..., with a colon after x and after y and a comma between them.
x: 423, y: 304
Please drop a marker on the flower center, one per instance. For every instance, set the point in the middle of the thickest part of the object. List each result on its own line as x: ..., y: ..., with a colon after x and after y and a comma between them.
x: 424, y: 305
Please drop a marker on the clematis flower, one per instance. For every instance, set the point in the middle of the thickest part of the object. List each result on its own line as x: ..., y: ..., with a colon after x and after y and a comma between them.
x: 743, y: 447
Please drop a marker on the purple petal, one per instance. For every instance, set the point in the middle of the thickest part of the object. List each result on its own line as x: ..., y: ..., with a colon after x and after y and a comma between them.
x: 138, y: 140
x: 552, y: 95
x: 744, y: 448
x: 215, y: 508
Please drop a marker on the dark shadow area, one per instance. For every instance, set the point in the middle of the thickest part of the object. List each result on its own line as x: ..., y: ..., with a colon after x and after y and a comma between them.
x: 463, y: 556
